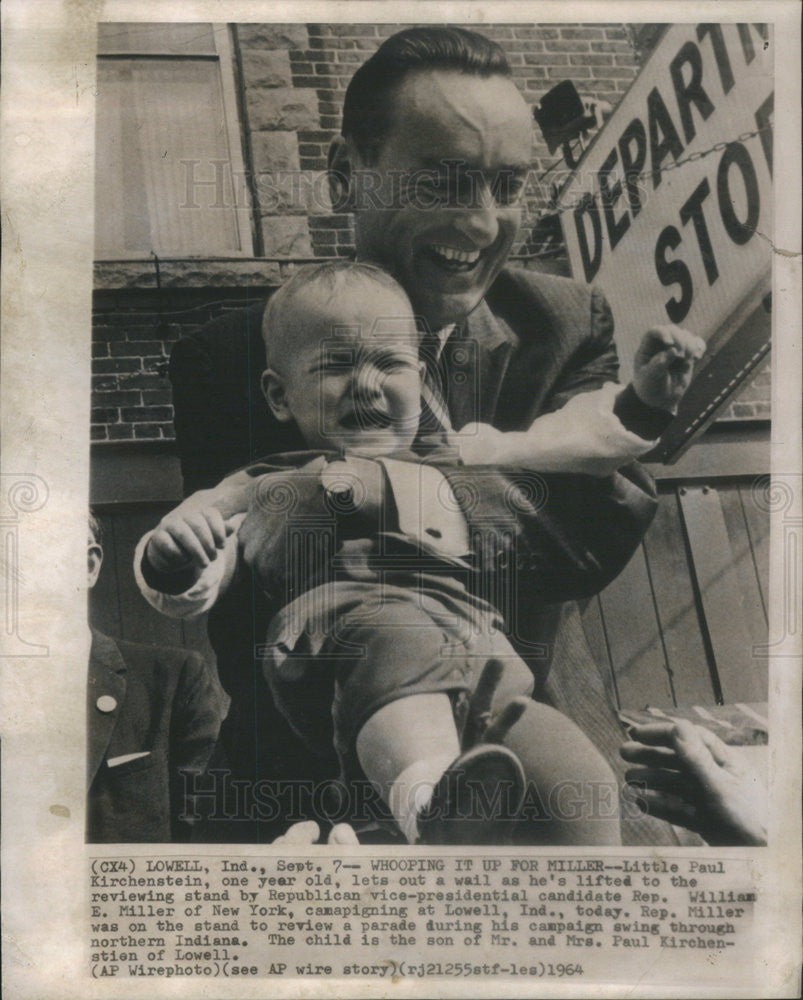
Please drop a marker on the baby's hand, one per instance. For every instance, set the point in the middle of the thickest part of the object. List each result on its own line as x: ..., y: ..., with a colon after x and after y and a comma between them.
x: 189, y: 536
x: 664, y: 364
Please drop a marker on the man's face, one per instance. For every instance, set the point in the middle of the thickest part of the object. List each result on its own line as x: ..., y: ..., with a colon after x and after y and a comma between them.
x: 440, y: 206
x: 353, y: 383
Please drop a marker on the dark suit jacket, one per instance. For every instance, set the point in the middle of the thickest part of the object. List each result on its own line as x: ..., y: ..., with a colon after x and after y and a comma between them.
x: 535, y: 341
x: 145, y: 698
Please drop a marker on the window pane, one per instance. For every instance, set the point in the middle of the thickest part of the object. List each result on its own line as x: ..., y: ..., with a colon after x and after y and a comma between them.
x: 163, y: 165
x: 156, y: 39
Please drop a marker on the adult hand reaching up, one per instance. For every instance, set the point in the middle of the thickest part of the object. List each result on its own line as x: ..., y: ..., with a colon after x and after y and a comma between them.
x: 309, y: 832
x: 688, y: 776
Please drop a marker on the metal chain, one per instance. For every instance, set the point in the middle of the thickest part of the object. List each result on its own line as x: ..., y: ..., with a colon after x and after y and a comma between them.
x: 559, y: 209
x: 701, y: 154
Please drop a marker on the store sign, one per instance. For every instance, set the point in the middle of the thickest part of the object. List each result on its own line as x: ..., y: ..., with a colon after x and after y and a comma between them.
x: 670, y: 209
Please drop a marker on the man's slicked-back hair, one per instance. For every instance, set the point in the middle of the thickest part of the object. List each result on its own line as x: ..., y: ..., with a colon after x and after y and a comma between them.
x: 368, y: 105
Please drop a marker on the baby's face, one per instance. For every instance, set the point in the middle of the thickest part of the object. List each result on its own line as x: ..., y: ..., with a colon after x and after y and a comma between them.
x: 354, y: 381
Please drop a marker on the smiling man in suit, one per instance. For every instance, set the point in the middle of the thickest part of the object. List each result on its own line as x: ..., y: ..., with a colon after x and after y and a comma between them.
x: 153, y: 715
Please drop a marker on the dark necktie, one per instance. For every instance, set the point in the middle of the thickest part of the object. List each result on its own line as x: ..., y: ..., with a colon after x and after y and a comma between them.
x: 435, y: 423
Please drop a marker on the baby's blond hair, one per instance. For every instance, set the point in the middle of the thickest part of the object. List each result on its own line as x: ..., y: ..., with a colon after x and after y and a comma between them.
x: 332, y: 277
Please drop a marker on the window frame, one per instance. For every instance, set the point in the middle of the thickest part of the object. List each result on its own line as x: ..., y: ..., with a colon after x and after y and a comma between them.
x: 243, y: 216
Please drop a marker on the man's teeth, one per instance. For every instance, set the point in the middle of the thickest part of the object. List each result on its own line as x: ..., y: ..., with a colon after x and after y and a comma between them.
x: 461, y: 256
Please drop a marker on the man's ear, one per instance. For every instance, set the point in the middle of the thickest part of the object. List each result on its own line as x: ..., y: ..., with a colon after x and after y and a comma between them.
x: 273, y: 391
x: 94, y: 556
x: 340, y: 175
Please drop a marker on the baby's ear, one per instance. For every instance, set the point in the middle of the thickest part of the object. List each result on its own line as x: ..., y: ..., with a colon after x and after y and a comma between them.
x: 273, y: 391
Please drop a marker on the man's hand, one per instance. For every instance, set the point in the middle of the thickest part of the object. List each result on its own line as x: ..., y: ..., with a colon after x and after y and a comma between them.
x: 309, y: 832
x: 189, y: 536
x: 689, y: 777
x: 584, y: 436
x: 664, y: 364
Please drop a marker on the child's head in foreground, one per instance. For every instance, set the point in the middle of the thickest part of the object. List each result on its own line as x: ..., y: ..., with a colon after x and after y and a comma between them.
x: 342, y: 356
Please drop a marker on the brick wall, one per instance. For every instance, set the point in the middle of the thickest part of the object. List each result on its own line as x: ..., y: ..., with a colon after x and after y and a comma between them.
x: 134, y: 332
x: 752, y: 401
x: 130, y: 392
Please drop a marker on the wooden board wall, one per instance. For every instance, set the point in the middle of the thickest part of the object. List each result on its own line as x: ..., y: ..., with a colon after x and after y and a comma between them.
x: 685, y: 622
